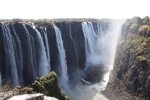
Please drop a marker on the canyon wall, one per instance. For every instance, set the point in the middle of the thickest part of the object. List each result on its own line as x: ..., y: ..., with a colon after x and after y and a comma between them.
x: 130, y: 77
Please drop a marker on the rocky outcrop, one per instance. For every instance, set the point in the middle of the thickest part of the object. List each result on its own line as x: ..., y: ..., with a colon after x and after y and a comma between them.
x: 130, y: 77
x: 32, y: 97
x: 48, y: 85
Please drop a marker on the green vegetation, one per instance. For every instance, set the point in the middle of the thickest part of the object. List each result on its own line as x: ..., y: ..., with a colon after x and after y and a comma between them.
x: 137, y: 25
x: 136, y: 20
x: 146, y: 20
x: 54, y: 20
x: 141, y: 57
x: 47, y: 85
x: 144, y: 27
x: 137, y: 41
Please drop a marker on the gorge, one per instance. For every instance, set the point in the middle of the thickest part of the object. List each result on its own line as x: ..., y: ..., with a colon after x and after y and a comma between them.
x: 82, y: 53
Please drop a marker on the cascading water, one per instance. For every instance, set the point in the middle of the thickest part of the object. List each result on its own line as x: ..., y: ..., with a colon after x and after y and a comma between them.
x: 91, y: 38
x: 62, y: 59
x: 47, y: 48
x: 43, y: 65
x: 19, y: 56
x: 28, y: 50
x: 10, y: 55
x: 100, y: 48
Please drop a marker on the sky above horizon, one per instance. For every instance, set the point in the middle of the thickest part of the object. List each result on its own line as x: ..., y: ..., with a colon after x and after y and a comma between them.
x: 39, y: 9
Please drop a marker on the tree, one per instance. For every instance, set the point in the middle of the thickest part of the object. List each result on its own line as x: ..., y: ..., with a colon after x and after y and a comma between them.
x: 146, y: 20
x: 136, y: 20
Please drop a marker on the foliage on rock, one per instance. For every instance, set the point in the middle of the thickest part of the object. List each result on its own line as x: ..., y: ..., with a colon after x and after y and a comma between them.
x: 146, y: 20
x: 132, y: 62
x: 47, y: 85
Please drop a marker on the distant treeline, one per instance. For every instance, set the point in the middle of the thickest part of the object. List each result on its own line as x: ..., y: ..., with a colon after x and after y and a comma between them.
x: 145, y: 20
x: 54, y: 20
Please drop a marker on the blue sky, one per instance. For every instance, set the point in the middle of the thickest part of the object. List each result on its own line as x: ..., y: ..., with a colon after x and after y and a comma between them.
x: 38, y: 9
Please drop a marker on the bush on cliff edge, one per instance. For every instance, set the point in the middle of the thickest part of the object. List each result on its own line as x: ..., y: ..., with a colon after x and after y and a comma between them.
x: 48, y: 85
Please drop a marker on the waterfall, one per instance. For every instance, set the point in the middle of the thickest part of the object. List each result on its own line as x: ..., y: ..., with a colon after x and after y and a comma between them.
x: 10, y: 55
x: 30, y: 51
x: 91, y: 37
x: 62, y: 56
x: 47, y: 48
x: 100, y: 47
x: 43, y: 63
x: 108, y: 41
x: 19, y: 56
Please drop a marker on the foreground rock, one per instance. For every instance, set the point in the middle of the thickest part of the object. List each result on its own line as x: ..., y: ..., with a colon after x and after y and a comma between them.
x: 47, y: 85
x: 32, y: 97
x: 130, y: 78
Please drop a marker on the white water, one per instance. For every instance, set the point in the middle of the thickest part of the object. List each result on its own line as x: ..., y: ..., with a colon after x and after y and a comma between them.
x: 30, y: 50
x: 10, y: 55
x: 44, y: 65
x: 63, y: 80
x: 20, y: 57
x: 100, y: 49
x: 47, y: 48
x: 91, y: 38
x: 107, y: 43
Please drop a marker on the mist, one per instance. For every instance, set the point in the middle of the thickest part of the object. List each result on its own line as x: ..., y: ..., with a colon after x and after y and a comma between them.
x: 102, y: 52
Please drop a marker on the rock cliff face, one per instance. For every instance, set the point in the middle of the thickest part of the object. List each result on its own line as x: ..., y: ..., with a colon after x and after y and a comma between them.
x: 130, y: 77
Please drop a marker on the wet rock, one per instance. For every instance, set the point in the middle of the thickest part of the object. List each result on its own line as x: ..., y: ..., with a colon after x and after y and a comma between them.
x: 94, y: 74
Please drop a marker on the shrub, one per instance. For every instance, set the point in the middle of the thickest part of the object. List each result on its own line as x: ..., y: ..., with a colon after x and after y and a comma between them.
x: 136, y: 20
x: 146, y: 20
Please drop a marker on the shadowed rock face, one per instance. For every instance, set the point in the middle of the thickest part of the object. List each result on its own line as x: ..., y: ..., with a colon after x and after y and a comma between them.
x: 95, y: 74
x: 130, y: 76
